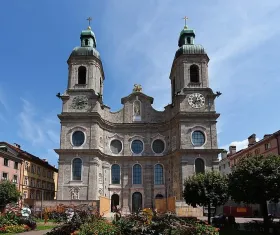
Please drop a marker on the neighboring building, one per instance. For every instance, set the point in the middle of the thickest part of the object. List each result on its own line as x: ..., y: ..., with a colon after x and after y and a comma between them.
x: 269, y: 145
x: 36, y: 178
x: 10, y: 165
x: 224, y: 164
x: 136, y: 154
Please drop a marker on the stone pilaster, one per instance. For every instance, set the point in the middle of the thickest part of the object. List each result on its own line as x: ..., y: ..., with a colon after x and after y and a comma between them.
x: 93, y: 179
x: 148, y: 183
x: 60, y: 181
x: 125, y: 196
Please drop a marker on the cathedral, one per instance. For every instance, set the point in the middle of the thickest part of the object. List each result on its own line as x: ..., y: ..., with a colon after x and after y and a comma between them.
x: 137, y: 154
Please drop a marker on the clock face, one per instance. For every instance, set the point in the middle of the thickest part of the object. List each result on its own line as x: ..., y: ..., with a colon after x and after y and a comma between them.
x: 79, y: 102
x: 196, y: 100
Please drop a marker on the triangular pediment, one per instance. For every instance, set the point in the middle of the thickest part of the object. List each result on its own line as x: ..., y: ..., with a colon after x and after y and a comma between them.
x: 136, y: 96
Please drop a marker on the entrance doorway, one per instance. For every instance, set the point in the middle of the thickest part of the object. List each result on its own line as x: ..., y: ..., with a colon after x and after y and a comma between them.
x: 136, y: 201
x: 159, y: 196
x: 115, y: 201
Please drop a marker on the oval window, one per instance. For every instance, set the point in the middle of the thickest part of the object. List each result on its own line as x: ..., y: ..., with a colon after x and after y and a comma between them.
x: 198, y: 138
x: 116, y: 146
x: 137, y: 146
x: 78, y: 138
x: 158, y: 146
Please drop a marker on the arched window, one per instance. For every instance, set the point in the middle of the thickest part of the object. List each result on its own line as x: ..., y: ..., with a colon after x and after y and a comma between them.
x: 82, y: 73
x: 158, y: 174
x: 188, y: 40
x: 116, y: 174
x: 199, y: 166
x: 194, y: 73
x: 137, y: 174
x: 86, y: 42
x: 77, y: 169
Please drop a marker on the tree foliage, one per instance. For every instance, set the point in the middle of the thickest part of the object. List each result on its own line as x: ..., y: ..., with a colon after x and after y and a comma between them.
x: 209, y: 189
x: 8, y: 193
x: 256, y: 180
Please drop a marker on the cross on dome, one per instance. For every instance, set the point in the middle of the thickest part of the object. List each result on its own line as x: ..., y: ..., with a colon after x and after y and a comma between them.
x: 89, y: 20
x: 185, y: 18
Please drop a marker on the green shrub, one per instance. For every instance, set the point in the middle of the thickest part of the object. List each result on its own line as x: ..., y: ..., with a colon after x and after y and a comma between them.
x: 100, y: 227
x: 9, y: 219
x: 167, y: 224
x: 30, y: 222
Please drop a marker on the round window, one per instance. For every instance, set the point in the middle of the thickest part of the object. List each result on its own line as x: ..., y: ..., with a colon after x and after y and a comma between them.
x: 78, y: 138
x: 137, y: 146
x: 116, y: 146
x: 198, y: 138
x: 158, y: 146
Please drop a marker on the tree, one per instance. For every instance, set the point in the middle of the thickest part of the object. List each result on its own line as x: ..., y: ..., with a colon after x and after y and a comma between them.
x: 209, y: 189
x: 256, y: 180
x: 8, y: 193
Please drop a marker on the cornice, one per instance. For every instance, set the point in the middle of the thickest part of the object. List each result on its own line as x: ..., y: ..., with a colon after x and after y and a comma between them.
x: 95, y: 117
x: 99, y: 154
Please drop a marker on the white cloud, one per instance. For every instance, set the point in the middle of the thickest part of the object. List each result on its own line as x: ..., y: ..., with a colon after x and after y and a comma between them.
x: 39, y: 131
x: 239, y: 144
x: 145, y: 46
x: 34, y: 129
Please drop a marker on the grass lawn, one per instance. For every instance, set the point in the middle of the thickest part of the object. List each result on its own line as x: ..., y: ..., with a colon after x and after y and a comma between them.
x: 45, y: 226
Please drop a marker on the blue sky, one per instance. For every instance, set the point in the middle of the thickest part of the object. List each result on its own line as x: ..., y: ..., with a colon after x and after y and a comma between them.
x: 137, y: 41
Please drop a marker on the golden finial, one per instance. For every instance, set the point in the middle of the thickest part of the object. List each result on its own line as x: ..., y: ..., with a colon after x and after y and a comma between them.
x: 89, y: 20
x: 185, y: 18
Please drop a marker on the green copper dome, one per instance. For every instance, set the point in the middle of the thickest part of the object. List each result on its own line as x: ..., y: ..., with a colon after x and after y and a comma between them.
x: 190, y: 49
x: 88, y: 45
x: 87, y: 32
x: 187, y: 31
x: 85, y: 51
x: 186, y: 43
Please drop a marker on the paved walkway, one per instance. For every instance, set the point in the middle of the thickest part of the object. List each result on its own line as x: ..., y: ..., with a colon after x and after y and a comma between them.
x: 242, y: 220
x: 41, y: 232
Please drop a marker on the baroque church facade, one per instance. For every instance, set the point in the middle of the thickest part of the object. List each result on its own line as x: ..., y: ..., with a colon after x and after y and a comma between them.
x: 136, y: 154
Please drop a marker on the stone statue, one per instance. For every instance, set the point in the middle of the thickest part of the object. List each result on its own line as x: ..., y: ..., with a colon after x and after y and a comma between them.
x: 136, y: 108
x: 75, y: 193
x: 137, y: 88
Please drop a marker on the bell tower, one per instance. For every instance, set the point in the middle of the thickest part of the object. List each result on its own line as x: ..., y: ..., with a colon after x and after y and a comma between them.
x: 190, y: 64
x: 85, y: 66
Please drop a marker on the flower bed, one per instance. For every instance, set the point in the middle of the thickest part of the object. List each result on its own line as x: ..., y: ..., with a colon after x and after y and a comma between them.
x: 12, y: 223
x: 14, y: 228
x: 145, y: 223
